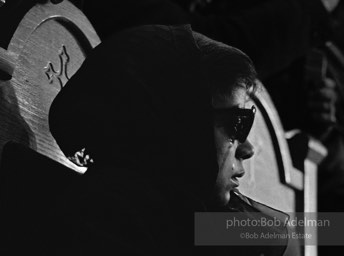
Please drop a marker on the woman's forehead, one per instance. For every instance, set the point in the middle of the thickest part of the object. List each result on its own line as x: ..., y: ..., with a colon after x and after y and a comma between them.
x: 237, y: 97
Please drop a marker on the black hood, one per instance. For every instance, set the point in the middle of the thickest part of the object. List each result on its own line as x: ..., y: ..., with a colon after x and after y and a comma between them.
x: 141, y: 101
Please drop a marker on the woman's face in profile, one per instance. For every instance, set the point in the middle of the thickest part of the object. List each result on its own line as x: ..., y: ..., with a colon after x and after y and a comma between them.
x: 230, y: 152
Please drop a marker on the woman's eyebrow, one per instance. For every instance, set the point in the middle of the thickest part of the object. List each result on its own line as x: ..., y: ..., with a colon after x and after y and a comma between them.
x: 236, y: 106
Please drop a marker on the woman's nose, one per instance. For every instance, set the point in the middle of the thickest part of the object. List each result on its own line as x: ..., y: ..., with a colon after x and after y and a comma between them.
x: 244, y: 150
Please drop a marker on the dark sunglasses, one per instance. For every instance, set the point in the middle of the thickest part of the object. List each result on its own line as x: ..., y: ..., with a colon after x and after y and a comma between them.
x: 237, y: 122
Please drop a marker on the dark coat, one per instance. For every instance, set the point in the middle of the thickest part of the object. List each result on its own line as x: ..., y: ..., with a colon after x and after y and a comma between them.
x: 140, y: 105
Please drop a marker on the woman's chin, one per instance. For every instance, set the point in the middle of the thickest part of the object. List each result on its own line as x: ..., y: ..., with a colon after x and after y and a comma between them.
x: 223, y: 198
x: 227, y: 197
x: 218, y: 200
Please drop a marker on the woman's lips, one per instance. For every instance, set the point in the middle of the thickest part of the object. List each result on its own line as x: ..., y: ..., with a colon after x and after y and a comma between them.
x: 234, y: 182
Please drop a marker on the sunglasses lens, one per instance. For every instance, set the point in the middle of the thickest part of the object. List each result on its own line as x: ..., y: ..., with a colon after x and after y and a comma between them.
x: 238, y: 123
x: 245, y: 128
x: 247, y: 124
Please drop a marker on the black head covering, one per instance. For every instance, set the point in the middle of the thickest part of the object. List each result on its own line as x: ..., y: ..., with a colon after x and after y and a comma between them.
x: 141, y: 101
